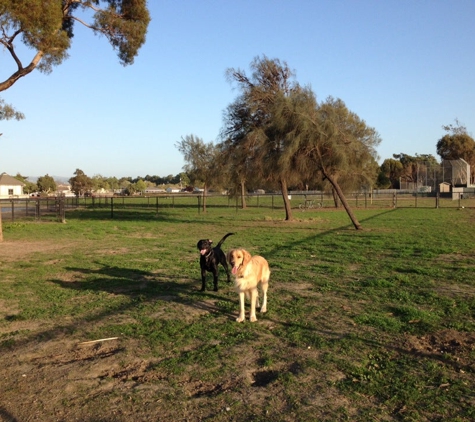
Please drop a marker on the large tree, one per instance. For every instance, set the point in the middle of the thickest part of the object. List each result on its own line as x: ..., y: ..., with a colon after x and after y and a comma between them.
x: 237, y: 151
x: 333, y: 143
x: 253, y: 131
x: 357, y: 166
x: 47, y: 27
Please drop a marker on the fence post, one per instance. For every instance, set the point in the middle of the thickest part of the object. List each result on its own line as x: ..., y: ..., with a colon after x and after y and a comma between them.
x: 37, y: 209
x: 60, y: 210
x: 112, y: 207
x: 437, y: 199
x: 156, y: 204
x: 13, y: 211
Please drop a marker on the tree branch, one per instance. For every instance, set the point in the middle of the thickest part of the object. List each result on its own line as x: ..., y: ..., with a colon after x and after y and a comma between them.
x: 22, y: 71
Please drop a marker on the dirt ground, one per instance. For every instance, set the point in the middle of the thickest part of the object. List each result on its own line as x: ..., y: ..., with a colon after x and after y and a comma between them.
x: 46, y: 376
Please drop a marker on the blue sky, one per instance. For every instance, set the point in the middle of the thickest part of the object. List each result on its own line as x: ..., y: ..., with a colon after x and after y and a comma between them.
x: 406, y: 67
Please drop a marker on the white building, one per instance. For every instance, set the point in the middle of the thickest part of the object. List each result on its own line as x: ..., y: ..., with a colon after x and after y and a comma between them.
x: 10, y: 187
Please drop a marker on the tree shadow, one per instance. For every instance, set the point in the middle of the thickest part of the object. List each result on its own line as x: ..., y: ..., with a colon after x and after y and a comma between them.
x: 133, y: 282
x: 6, y: 416
x: 373, y: 344
x: 145, y: 286
x: 141, y: 286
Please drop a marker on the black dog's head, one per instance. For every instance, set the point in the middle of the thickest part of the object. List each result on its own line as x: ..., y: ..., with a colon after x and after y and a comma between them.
x: 204, y: 246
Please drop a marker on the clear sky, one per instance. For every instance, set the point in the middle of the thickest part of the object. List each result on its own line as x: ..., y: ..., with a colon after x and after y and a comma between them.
x: 406, y: 67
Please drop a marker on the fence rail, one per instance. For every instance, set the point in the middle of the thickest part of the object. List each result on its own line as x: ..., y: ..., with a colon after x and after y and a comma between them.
x: 55, y: 208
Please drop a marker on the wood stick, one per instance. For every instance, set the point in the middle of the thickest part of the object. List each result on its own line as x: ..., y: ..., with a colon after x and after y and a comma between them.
x: 97, y: 341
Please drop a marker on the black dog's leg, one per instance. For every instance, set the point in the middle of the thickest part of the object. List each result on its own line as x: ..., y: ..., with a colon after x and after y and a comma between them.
x: 225, y: 265
x: 215, y: 278
x: 203, y: 280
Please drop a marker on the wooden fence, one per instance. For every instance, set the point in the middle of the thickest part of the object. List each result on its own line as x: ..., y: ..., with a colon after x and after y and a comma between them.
x: 55, y: 208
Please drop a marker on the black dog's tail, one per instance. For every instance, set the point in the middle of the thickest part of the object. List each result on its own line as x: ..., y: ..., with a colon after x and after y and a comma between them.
x: 223, y: 239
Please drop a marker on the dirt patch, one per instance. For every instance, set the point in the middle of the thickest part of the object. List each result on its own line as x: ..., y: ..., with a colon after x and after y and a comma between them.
x: 456, y: 345
x: 20, y: 251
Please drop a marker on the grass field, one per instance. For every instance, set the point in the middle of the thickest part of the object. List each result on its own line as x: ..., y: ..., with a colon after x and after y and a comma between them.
x: 371, y: 325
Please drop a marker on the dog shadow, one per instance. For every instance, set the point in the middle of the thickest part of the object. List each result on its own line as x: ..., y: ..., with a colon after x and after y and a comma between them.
x: 147, y: 286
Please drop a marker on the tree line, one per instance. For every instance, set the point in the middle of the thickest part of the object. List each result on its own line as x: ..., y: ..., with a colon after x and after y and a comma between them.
x: 82, y: 184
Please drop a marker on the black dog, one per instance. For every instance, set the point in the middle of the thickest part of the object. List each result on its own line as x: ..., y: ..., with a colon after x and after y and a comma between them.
x: 209, y: 260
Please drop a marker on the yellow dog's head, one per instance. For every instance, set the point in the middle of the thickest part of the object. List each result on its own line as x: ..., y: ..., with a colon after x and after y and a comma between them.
x: 238, y: 259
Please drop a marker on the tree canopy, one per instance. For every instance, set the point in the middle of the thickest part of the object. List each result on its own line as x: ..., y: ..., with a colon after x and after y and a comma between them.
x: 201, y: 159
x: 255, y: 132
x: 47, y: 27
x: 80, y: 183
x: 277, y: 131
x: 46, y: 184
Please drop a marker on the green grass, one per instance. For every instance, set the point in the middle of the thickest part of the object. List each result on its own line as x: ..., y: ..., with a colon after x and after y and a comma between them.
x: 361, y: 325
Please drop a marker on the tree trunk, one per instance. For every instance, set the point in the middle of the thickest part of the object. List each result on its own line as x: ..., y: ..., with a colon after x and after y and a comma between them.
x: 335, y: 197
x: 343, y: 200
x: 243, y: 195
x: 285, y: 196
x: 1, y: 224
x: 204, y: 198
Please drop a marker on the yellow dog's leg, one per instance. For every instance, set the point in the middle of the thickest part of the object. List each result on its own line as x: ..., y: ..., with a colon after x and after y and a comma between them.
x: 242, y: 312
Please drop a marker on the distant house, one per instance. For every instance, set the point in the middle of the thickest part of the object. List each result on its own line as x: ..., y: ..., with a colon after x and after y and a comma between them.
x: 154, y: 190
x: 64, y: 189
x: 9, y: 186
x: 444, y: 187
x: 173, y: 190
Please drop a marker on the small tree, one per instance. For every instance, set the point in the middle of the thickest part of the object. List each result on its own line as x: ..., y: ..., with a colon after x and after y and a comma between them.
x: 390, y: 172
x: 29, y: 186
x: 140, y: 186
x: 200, y: 160
x: 80, y: 183
x: 100, y: 182
x: 46, y: 184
